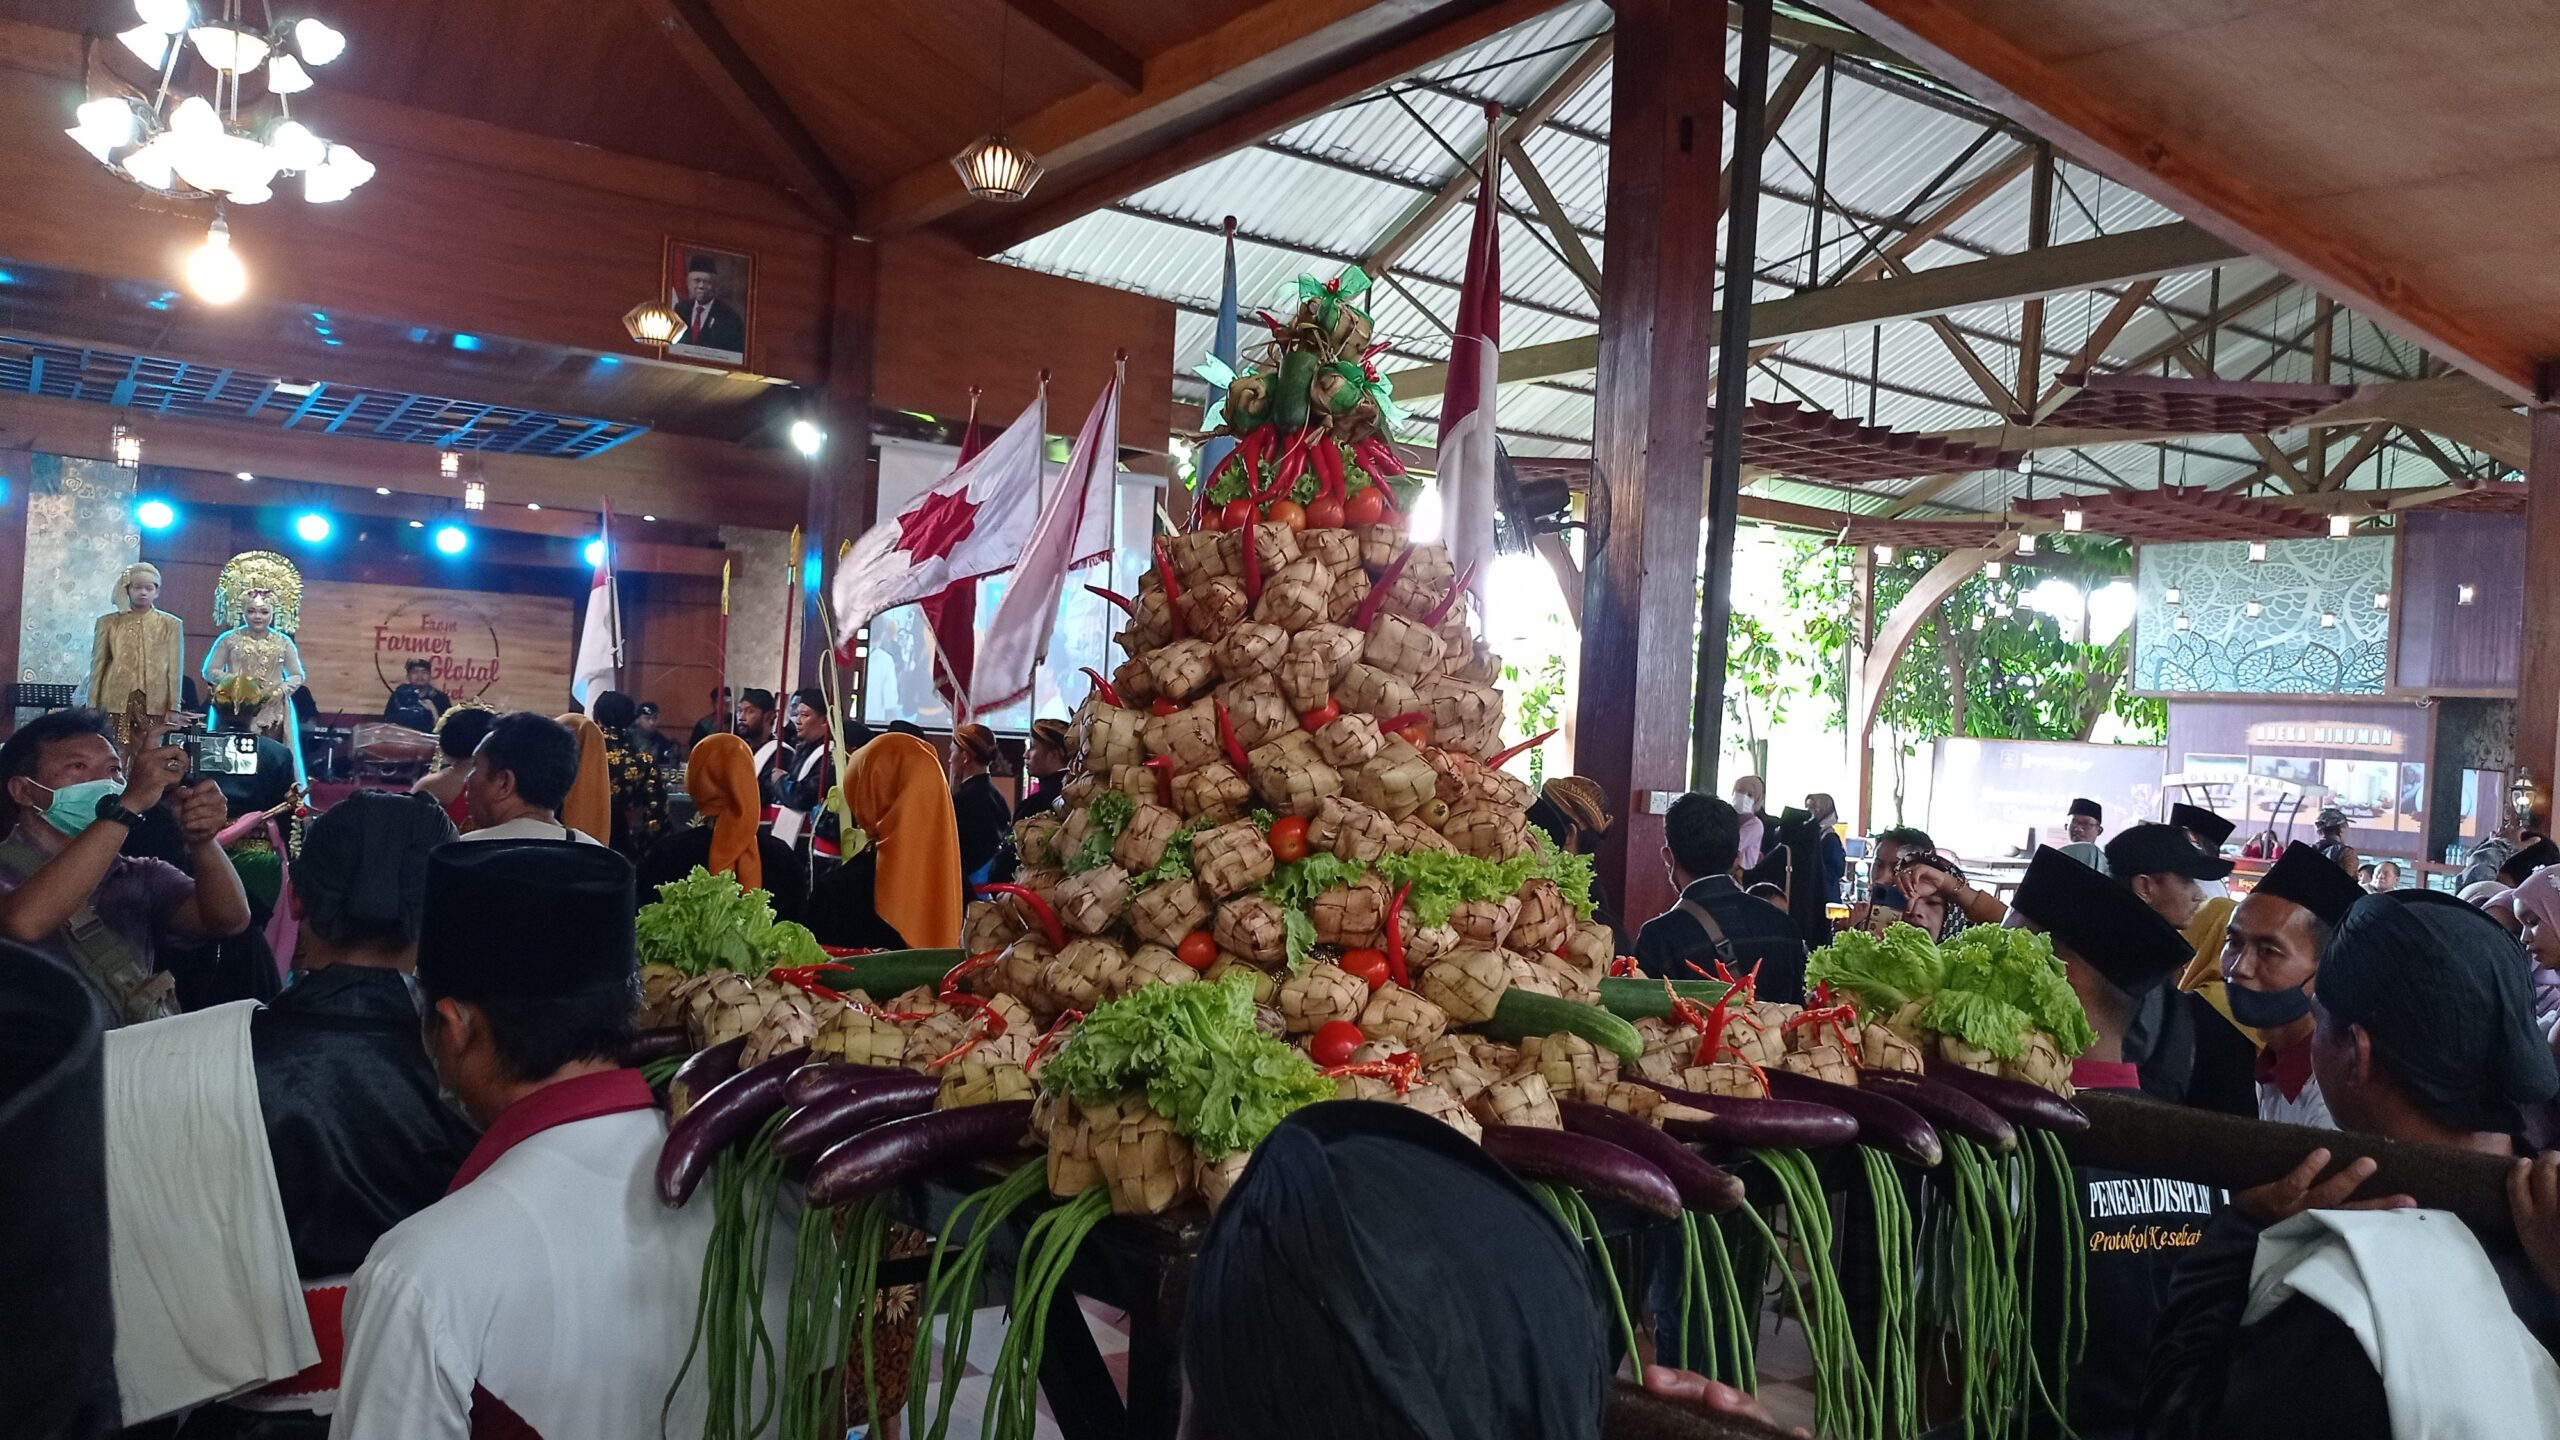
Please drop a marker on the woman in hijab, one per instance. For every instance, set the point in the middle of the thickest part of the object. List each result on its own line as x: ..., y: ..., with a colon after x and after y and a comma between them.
x: 725, y: 834
x: 1750, y: 798
x: 1044, y: 760
x: 1834, y: 855
x: 976, y: 804
x: 903, y: 889
x: 588, y: 809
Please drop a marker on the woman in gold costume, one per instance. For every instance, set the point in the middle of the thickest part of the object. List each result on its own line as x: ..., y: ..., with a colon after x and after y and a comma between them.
x: 137, y: 648
x: 257, y: 649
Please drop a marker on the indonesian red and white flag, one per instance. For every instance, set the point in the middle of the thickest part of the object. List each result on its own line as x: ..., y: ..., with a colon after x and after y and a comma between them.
x: 1467, y: 444
x: 599, y: 663
x: 1074, y: 531
x: 973, y: 522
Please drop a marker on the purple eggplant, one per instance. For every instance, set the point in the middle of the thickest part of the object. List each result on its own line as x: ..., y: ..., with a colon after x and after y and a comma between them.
x: 1612, y: 1172
x: 820, y: 1078
x: 887, y: 1156
x: 2022, y: 1103
x: 1946, y: 1107
x: 695, y: 1077
x: 660, y: 1043
x: 1756, y: 1124
x: 1703, y: 1187
x: 1883, y: 1122
x: 726, y: 1114
x: 842, y: 1113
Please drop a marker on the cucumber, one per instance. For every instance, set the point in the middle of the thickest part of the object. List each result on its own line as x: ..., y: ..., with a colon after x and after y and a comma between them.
x: 1289, y: 391
x: 1636, y: 997
x: 894, y: 972
x: 1520, y: 1014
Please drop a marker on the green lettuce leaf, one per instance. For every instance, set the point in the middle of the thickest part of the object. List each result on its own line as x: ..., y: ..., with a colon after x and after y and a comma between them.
x: 1978, y: 1019
x: 1106, y: 817
x: 1174, y: 864
x: 707, y: 921
x: 1195, y: 1051
x: 2019, y: 968
x: 1884, y: 974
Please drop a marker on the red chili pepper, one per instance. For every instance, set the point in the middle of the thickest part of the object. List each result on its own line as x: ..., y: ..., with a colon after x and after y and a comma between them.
x: 1330, y: 477
x: 1378, y: 458
x: 1049, y: 1036
x: 1127, y: 606
x: 1252, y: 563
x: 1410, y: 717
x: 1172, y: 589
x: 949, y: 985
x: 1367, y: 614
x: 1227, y: 736
x: 990, y: 1025
x: 1495, y: 760
x: 1256, y: 444
x: 1163, y: 765
x: 1748, y: 982
x: 1293, y: 463
x: 1110, y: 694
x: 806, y: 977
x: 1457, y: 588
x: 1055, y: 932
x: 1400, y: 1070
x: 1395, y: 937
x: 1622, y: 966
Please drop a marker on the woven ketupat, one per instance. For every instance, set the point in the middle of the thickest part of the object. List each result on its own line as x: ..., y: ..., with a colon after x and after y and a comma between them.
x: 1231, y: 858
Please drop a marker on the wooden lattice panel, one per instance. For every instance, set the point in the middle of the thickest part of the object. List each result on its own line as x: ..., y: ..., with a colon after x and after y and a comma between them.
x: 1807, y: 444
x: 2181, y: 513
x: 2190, y: 407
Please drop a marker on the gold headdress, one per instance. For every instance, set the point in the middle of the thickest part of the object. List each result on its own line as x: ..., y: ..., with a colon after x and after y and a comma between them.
x: 139, y: 570
x: 266, y: 575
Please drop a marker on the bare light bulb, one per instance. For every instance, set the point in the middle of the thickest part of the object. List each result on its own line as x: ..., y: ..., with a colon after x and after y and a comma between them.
x: 214, y: 272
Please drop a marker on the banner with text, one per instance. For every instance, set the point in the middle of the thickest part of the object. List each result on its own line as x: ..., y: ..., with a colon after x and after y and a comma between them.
x: 510, y: 651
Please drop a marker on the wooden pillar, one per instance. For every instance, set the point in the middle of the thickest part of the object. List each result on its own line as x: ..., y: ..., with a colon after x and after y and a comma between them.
x: 842, y: 487
x: 1649, y: 435
x: 2538, y: 688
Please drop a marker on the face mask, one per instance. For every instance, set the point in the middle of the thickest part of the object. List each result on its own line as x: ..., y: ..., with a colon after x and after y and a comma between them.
x: 2266, y: 1009
x: 1744, y: 804
x: 74, y: 807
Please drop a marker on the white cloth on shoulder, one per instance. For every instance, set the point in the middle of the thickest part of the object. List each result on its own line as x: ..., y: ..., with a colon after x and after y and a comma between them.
x: 207, y: 1303
x: 2424, y: 1302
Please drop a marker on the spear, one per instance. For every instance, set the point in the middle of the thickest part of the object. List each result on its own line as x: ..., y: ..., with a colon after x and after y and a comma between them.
x: 726, y: 701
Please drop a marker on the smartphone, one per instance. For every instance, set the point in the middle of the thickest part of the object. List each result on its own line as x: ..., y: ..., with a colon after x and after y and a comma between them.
x: 1885, y: 905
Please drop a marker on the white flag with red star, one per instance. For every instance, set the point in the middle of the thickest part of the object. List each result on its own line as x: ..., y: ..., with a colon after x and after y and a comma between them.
x: 975, y: 522
x: 1074, y: 531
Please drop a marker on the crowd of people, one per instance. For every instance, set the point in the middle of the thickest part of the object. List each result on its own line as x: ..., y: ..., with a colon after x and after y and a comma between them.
x: 456, y: 1138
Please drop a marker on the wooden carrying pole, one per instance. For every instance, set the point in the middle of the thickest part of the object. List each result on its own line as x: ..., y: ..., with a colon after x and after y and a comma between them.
x: 2141, y: 1136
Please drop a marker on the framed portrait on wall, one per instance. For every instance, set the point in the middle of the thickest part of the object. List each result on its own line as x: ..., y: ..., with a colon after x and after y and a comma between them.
x: 714, y: 292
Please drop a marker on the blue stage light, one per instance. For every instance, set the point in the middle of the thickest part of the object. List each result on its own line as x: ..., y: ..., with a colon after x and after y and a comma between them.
x: 155, y: 514
x: 452, y: 539
x: 313, y: 526
x: 595, y: 552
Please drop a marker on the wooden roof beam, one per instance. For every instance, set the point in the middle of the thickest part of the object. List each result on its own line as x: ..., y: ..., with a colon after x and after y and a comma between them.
x: 1118, y: 68
x: 742, y: 89
x: 1417, y: 222
x: 1965, y: 46
x: 2055, y: 270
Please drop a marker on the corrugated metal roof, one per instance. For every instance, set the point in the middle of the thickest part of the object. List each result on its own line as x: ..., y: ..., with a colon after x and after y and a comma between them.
x: 1330, y: 189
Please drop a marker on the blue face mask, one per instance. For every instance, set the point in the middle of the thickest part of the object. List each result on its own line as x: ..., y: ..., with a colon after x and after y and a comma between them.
x: 74, y: 807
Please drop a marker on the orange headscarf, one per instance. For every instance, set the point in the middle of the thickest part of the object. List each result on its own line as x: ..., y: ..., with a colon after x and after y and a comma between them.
x: 589, y: 806
x: 721, y: 777
x: 895, y: 788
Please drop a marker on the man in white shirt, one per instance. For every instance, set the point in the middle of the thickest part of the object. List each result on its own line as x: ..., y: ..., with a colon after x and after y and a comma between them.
x: 549, y: 1293
x: 519, y: 776
x: 2271, y: 966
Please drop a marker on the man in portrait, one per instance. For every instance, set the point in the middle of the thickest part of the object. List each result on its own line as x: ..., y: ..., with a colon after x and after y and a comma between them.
x: 711, y: 323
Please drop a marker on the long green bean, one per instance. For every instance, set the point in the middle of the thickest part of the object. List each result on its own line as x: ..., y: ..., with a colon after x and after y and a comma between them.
x: 1843, y: 1392
x: 950, y: 1293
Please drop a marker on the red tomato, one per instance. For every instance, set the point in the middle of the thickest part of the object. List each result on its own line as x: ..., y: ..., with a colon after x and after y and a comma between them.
x: 1321, y: 716
x: 1209, y: 517
x: 1236, y: 514
x: 1325, y: 513
x: 1164, y: 705
x: 1286, y: 512
x: 1289, y: 838
x: 1365, y: 507
x: 1369, y: 965
x: 1417, y: 733
x: 1199, y: 950
x: 1334, y: 1041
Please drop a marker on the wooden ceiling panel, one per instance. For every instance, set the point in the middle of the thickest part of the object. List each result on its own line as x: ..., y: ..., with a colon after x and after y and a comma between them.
x: 2393, y: 155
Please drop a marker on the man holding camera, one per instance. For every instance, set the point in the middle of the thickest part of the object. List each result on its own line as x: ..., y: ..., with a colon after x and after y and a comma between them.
x: 67, y: 888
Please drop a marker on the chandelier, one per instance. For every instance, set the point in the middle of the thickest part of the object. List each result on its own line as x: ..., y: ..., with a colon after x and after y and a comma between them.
x: 217, y: 139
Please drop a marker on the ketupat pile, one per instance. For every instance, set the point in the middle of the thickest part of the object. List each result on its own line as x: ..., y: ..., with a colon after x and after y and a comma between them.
x: 1988, y: 998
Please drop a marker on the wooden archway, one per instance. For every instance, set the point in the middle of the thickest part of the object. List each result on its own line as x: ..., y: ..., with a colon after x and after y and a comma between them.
x: 1873, y: 668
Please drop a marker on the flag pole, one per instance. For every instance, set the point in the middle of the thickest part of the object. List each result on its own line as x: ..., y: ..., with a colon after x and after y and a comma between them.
x: 612, y: 593
x: 725, y: 704
x: 790, y: 611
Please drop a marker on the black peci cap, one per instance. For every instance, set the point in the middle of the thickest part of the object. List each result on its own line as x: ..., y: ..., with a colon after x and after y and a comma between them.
x: 2100, y: 921
x: 2311, y: 880
x: 2161, y: 850
x: 2207, y: 826
x: 525, y: 918
x: 2089, y: 808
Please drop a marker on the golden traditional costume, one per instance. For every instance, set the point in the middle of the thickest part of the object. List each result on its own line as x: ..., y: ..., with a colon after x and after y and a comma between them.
x: 136, y: 650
